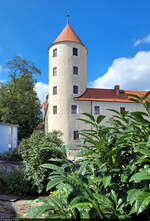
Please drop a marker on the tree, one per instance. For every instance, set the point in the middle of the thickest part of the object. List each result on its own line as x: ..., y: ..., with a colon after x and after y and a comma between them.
x: 19, y: 102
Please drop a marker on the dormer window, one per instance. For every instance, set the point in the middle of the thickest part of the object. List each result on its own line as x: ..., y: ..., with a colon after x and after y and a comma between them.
x: 75, y: 52
x: 55, y: 52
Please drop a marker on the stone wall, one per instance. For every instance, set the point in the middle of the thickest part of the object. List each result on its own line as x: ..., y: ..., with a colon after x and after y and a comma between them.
x: 8, y: 167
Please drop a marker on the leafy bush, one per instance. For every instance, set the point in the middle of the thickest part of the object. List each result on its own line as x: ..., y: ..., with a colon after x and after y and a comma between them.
x: 11, y: 156
x: 15, y: 183
x: 114, y: 175
x: 37, y: 150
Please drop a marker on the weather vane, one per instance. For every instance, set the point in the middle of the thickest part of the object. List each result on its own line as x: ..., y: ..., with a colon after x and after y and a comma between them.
x: 68, y: 15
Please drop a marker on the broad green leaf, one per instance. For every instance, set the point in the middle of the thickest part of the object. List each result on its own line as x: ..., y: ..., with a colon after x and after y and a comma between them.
x: 138, y: 98
x: 133, y: 194
x: 147, y: 94
x: 144, y: 204
x: 100, y: 118
x: 113, y: 196
x: 81, y: 205
x: 53, y: 167
x: 89, y: 116
x: 106, y: 181
x: 53, y: 183
x: 137, y: 177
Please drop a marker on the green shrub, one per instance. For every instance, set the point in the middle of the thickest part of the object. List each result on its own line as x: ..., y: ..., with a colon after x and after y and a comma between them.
x: 36, y: 150
x: 11, y: 156
x: 114, y: 175
x: 15, y: 183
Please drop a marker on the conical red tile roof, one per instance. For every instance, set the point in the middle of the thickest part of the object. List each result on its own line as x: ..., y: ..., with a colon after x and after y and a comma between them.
x: 68, y: 34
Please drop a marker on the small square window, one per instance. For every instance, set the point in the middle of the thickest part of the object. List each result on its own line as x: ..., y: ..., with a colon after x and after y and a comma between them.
x: 75, y: 52
x: 122, y: 110
x: 55, y: 52
x: 75, y: 89
x: 96, y: 110
x: 54, y: 109
x: 75, y: 70
x: 75, y: 135
x: 73, y: 109
x: 54, y: 71
x: 54, y: 90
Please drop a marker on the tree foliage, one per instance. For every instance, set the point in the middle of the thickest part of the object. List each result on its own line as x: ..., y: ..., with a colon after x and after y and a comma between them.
x: 36, y: 150
x: 113, y: 179
x: 18, y: 100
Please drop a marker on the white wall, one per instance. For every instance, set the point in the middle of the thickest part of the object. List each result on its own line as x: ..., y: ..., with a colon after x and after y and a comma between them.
x: 4, y: 137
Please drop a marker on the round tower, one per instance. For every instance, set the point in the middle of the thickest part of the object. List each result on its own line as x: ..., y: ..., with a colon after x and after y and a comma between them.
x: 67, y: 79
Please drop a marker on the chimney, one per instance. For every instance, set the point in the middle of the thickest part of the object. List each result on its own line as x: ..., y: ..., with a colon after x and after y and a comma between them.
x: 117, y: 89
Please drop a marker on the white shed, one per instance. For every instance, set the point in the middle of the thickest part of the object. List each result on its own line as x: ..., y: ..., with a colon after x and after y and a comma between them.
x: 8, y: 137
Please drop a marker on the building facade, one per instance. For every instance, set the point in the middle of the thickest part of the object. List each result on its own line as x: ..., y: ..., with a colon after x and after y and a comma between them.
x: 69, y: 96
x: 8, y: 137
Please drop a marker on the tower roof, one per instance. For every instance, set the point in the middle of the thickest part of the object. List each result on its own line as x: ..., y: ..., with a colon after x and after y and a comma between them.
x: 68, y: 34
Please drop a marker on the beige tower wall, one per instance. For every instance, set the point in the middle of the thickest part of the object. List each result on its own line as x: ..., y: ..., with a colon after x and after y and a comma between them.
x: 64, y: 61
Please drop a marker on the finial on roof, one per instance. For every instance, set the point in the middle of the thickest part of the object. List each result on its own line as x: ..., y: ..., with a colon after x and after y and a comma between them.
x: 68, y: 15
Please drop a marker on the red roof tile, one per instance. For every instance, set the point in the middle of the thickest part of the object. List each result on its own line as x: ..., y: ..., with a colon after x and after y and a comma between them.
x: 45, y: 104
x: 68, y: 34
x: 96, y: 94
x: 40, y: 126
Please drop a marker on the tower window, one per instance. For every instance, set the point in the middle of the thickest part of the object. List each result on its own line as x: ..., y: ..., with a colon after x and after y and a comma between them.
x: 55, y: 52
x: 75, y: 89
x: 75, y: 70
x: 55, y: 90
x: 54, y: 71
x: 75, y: 135
x: 75, y: 52
x: 122, y: 110
x: 54, y: 109
x: 74, y: 108
x: 96, y: 109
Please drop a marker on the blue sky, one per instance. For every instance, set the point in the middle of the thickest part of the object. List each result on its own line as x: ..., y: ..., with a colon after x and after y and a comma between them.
x: 116, y: 33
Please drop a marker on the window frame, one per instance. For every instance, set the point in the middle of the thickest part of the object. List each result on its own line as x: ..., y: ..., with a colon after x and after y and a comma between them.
x: 96, y: 105
x: 73, y: 89
x: 56, y: 92
x: 55, y: 51
x: 73, y: 51
x: 55, y: 68
x: 75, y: 66
x: 120, y: 109
x: 75, y: 130
x: 77, y: 109
x: 55, y: 106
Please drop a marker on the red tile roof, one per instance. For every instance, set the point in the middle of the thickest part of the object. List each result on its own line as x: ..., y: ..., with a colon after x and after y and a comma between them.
x: 40, y: 126
x: 96, y: 94
x: 45, y: 104
x: 68, y: 34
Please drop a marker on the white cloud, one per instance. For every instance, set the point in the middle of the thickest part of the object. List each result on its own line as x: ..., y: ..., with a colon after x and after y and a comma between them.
x: 42, y: 91
x: 145, y: 40
x: 130, y: 73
